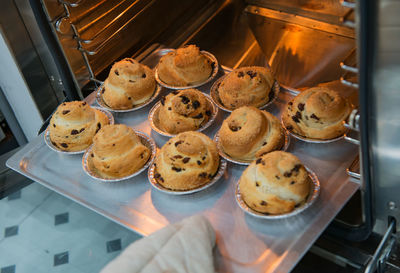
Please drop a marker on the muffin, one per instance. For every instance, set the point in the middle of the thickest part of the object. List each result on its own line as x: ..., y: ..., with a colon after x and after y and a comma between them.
x: 187, y: 161
x: 249, y: 133
x: 184, y: 66
x: 317, y: 113
x: 74, y: 124
x: 246, y: 86
x: 275, y: 183
x: 128, y: 84
x: 118, y: 152
x: 186, y: 110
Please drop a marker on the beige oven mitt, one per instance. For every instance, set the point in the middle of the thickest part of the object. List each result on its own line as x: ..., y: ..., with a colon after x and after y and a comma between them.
x: 182, y: 247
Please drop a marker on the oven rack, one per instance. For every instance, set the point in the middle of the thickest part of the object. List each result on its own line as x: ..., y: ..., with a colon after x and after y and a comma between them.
x: 107, y: 24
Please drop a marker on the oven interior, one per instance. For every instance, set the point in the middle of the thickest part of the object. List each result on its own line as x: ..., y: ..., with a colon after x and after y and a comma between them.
x: 306, y: 43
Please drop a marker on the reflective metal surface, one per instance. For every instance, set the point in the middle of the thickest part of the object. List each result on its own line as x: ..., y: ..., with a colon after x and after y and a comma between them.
x: 382, y: 116
x: 146, y: 141
x: 154, y: 118
x: 289, y: 41
x: 100, y: 32
x: 311, y: 198
x: 29, y: 50
x: 354, y: 169
x: 244, y: 244
x: 325, y: 10
x: 159, y: 187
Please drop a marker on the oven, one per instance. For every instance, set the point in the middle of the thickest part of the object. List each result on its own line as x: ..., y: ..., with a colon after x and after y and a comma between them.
x: 351, y: 47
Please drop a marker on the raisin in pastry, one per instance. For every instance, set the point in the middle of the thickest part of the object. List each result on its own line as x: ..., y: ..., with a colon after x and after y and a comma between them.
x: 249, y: 133
x: 187, y: 161
x: 275, y: 183
x: 128, y: 84
x: 184, y: 66
x: 186, y: 110
x: 246, y: 86
x: 317, y: 113
x: 74, y: 124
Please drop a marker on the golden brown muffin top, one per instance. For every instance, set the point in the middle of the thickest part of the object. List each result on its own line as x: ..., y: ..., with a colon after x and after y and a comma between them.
x: 318, y: 112
x: 118, y: 151
x: 275, y: 183
x: 184, y: 110
x: 184, y: 66
x: 247, y: 86
x: 249, y: 132
x: 187, y: 161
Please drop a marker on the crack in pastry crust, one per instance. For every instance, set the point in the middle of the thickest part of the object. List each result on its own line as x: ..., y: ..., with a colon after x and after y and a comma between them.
x: 249, y: 132
x: 317, y: 113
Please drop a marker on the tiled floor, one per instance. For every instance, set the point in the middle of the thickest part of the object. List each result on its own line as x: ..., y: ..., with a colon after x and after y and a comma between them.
x: 42, y: 231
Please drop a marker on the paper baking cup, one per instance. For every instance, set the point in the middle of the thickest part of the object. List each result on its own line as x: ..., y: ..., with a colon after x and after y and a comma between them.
x: 146, y: 141
x: 159, y: 187
x: 245, y: 162
x: 100, y: 101
x: 154, y: 119
x: 214, y: 72
x: 313, y: 195
x: 56, y: 149
x: 310, y: 140
x: 215, y: 96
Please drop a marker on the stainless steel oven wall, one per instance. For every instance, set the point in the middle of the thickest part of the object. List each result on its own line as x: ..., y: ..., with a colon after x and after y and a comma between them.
x: 94, y: 34
x: 384, y: 114
x: 330, y: 11
x: 302, y: 51
x: 306, y: 43
x: 31, y: 55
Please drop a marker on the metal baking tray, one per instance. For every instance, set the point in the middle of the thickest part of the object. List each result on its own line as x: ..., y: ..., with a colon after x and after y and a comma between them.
x: 244, y: 243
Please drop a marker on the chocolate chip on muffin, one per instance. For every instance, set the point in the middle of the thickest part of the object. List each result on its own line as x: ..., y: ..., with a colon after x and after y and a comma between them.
x: 288, y: 191
x: 189, y: 172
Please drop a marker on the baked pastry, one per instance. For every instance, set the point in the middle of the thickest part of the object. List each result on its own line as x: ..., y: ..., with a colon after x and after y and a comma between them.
x: 118, y: 152
x: 128, y: 84
x: 317, y: 113
x: 249, y: 133
x: 275, y: 183
x: 187, y: 161
x: 246, y: 86
x: 184, y: 66
x: 74, y: 124
x: 185, y: 110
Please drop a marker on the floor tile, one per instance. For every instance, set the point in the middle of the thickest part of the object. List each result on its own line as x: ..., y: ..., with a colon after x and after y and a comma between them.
x: 8, y: 269
x: 11, y: 231
x: 114, y: 245
x: 15, y: 211
x: 62, y: 218
x: 14, y: 195
x: 55, y: 225
x: 94, y: 267
x: 17, y: 252
x: 61, y: 258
